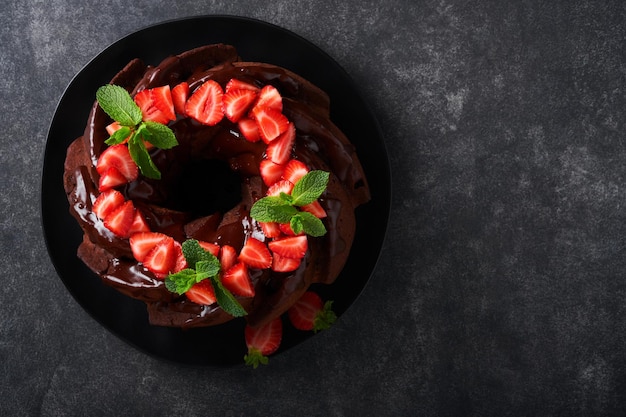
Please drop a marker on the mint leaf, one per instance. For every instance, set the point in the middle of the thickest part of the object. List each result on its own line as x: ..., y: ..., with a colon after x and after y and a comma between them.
x: 207, y: 269
x: 118, y: 136
x: 309, y: 188
x: 181, y: 281
x: 194, y: 253
x: 305, y: 221
x: 226, y: 300
x: 160, y: 135
x: 140, y: 155
x: 119, y: 105
x: 272, y: 209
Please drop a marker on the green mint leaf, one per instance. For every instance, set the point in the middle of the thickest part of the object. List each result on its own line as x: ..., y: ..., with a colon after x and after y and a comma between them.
x: 309, y: 188
x: 305, y: 221
x: 272, y: 209
x: 226, y: 300
x: 119, y: 105
x: 287, y: 198
x: 159, y: 135
x: 181, y: 281
x: 324, y: 318
x: 118, y: 136
x: 140, y: 155
x: 208, y: 269
x: 194, y: 254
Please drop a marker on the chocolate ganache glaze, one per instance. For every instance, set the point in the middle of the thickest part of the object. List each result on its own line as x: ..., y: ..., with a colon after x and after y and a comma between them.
x: 209, y: 183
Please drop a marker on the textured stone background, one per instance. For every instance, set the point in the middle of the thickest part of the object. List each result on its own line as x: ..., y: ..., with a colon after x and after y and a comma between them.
x: 501, y: 287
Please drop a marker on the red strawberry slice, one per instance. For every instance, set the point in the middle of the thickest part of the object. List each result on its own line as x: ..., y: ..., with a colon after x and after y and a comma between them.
x: 181, y: 262
x: 270, y: 172
x: 286, y: 229
x: 202, y: 293
x: 284, y: 264
x: 236, y: 103
x: 270, y: 229
x: 237, y: 280
x: 294, y: 247
x: 156, y: 104
x: 121, y: 219
x: 143, y: 242
x: 205, y: 104
x: 316, y: 209
x: 180, y: 94
x: 279, y: 150
x: 162, y: 97
x: 236, y: 84
x: 161, y: 260
x: 110, y: 179
x: 212, y: 248
x: 227, y: 257
x: 271, y: 123
x: 255, y: 254
x: 249, y: 129
x: 117, y: 156
x: 294, y: 170
x: 309, y: 313
x: 282, y: 186
x: 139, y: 224
x: 262, y: 341
x: 107, y: 202
x: 269, y: 97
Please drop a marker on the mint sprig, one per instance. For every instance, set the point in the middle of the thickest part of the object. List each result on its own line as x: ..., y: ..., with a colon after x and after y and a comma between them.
x: 120, y: 106
x: 203, y: 265
x: 283, y: 208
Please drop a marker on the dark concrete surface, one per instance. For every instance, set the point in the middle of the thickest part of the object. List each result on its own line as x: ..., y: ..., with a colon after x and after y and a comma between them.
x: 501, y: 287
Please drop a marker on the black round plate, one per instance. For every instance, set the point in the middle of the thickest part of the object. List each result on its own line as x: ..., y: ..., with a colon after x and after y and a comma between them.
x: 255, y: 41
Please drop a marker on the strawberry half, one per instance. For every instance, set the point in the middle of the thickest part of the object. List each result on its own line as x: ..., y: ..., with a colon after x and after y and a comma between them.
x: 111, y: 178
x: 279, y: 150
x: 237, y: 280
x: 121, y: 219
x: 139, y: 224
x: 205, y: 104
x: 290, y: 247
x: 270, y: 229
x: 227, y: 257
x: 107, y: 202
x: 316, y: 209
x: 236, y: 103
x: 309, y: 313
x: 294, y: 170
x: 156, y: 104
x: 180, y: 94
x: 161, y: 260
x: 283, y: 264
x: 270, y: 172
x: 286, y: 229
x: 202, y: 293
x: 282, y: 186
x: 269, y: 97
x: 162, y: 97
x: 262, y: 341
x: 212, y: 248
x: 143, y: 242
x: 255, y: 254
x: 249, y: 129
x: 236, y: 84
x: 118, y: 156
x: 271, y: 123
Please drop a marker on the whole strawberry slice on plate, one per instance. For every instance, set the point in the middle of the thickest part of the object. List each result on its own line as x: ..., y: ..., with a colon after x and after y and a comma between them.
x: 310, y: 313
x: 262, y: 341
x: 205, y: 104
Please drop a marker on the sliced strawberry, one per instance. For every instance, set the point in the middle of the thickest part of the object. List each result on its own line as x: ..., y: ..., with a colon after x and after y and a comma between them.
x: 286, y: 229
x: 180, y: 94
x: 284, y: 264
x: 180, y: 263
x: 117, y: 156
x: 269, y: 97
x: 290, y: 247
x: 227, y: 257
x: 255, y: 254
x: 249, y: 129
x: 143, y: 242
x: 271, y: 123
x: 270, y: 172
x: 237, y: 280
x: 309, y: 313
x: 294, y: 170
x: 202, y: 293
x: 279, y: 150
x: 163, y: 100
x: 107, y: 202
x: 152, y: 104
x: 236, y: 103
x: 212, y: 248
x: 111, y: 178
x: 121, y: 219
x: 282, y: 186
x: 262, y: 341
x: 113, y: 127
x: 205, y: 104
x: 139, y: 224
x: 161, y: 260
x: 316, y: 209
x: 270, y: 229
x: 235, y: 84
